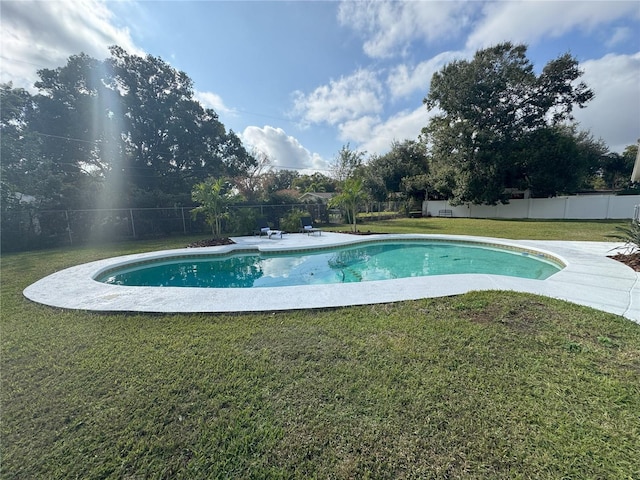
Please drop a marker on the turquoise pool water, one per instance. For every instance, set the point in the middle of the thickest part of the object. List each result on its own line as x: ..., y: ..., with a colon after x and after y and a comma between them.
x: 383, y: 260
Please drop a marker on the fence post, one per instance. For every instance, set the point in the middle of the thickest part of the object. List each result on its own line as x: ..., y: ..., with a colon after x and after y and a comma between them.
x: 133, y: 225
x: 66, y: 216
x: 184, y: 224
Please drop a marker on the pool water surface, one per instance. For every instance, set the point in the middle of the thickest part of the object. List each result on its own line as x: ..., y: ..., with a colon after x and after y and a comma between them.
x: 381, y: 260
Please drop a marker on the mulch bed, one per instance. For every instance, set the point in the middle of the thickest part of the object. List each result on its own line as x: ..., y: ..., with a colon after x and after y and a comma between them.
x: 211, y: 242
x: 631, y: 260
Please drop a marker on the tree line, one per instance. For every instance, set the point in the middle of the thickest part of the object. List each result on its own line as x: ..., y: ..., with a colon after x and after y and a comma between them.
x: 498, y: 130
x: 127, y: 131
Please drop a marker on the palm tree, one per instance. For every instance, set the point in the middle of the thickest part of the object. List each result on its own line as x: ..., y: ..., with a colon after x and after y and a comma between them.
x: 350, y: 199
x: 213, y: 202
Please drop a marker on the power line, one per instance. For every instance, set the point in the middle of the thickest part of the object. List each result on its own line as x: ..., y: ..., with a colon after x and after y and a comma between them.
x: 71, y: 139
x: 288, y: 120
x: 300, y: 168
x: 96, y: 143
x: 4, y: 57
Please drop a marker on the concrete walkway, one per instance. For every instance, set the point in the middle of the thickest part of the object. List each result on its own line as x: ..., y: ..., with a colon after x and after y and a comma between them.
x: 589, y: 278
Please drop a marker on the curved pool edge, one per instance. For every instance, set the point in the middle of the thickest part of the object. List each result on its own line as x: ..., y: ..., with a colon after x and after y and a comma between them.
x: 589, y: 278
x: 140, y: 262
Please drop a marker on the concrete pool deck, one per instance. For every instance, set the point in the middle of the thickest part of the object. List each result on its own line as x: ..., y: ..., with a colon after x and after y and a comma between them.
x: 589, y: 278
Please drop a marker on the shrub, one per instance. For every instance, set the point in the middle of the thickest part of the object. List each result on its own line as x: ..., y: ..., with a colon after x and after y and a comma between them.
x: 630, y: 235
x: 242, y: 221
x: 291, y: 221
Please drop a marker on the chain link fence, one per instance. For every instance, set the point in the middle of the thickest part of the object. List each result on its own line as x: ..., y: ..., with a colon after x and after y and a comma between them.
x: 25, y: 227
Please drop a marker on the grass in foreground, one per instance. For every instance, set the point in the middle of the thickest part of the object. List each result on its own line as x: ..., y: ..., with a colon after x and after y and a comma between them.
x: 484, y: 385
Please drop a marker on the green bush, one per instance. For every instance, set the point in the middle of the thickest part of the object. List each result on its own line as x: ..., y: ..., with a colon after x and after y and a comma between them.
x: 242, y: 221
x: 291, y: 221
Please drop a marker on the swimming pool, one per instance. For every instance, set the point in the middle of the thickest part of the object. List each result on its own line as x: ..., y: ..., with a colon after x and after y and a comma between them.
x: 589, y: 278
x: 368, y: 261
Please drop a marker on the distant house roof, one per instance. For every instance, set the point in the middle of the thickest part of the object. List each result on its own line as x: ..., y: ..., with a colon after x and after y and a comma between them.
x: 24, y: 198
x: 324, y: 197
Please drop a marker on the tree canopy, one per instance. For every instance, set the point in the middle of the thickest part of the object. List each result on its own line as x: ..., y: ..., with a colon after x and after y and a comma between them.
x: 315, y: 182
x: 493, y: 113
x: 126, y: 130
x: 397, y: 171
x: 615, y: 169
x: 346, y: 163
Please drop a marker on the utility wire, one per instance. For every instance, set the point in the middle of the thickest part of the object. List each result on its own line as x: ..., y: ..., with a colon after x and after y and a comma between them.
x: 71, y: 139
x: 4, y: 57
x: 155, y: 152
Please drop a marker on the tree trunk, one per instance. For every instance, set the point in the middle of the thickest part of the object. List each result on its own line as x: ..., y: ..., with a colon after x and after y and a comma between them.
x: 354, y: 220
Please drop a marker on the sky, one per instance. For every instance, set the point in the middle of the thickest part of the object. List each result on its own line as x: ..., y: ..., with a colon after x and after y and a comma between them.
x: 297, y: 81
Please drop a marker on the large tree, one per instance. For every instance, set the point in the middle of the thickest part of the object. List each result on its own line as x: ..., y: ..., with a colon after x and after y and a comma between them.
x: 126, y: 130
x: 171, y: 140
x: 556, y: 160
x: 390, y: 173
x: 316, y: 182
x: 20, y: 146
x: 615, y: 169
x: 73, y: 118
x: 486, y: 107
x: 346, y: 163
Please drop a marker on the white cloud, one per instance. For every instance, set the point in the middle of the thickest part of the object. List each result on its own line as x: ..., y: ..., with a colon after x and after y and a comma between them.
x: 620, y: 36
x: 528, y: 22
x: 613, y: 113
x: 38, y: 35
x: 358, y: 130
x: 403, y: 81
x: 283, y: 150
x: 405, y: 125
x: 345, y: 99
x: 389, y: 27
x: 214, y: 101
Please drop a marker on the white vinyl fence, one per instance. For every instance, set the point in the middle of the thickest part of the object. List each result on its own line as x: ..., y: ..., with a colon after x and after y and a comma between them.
x: 592, y: 207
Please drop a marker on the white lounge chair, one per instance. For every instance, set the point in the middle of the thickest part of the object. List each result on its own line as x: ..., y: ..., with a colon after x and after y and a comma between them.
x: 264, y: 229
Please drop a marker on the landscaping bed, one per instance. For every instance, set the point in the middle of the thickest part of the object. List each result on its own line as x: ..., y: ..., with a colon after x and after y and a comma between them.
x: 631, y: 260
x: 211, y: 242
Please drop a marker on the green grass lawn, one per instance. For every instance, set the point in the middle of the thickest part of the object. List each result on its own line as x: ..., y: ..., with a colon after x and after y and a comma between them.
x: 483, y: 385
x: 514, y: 229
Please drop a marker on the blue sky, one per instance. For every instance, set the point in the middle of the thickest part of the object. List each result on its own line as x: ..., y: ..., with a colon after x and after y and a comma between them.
x: 297, y: 80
